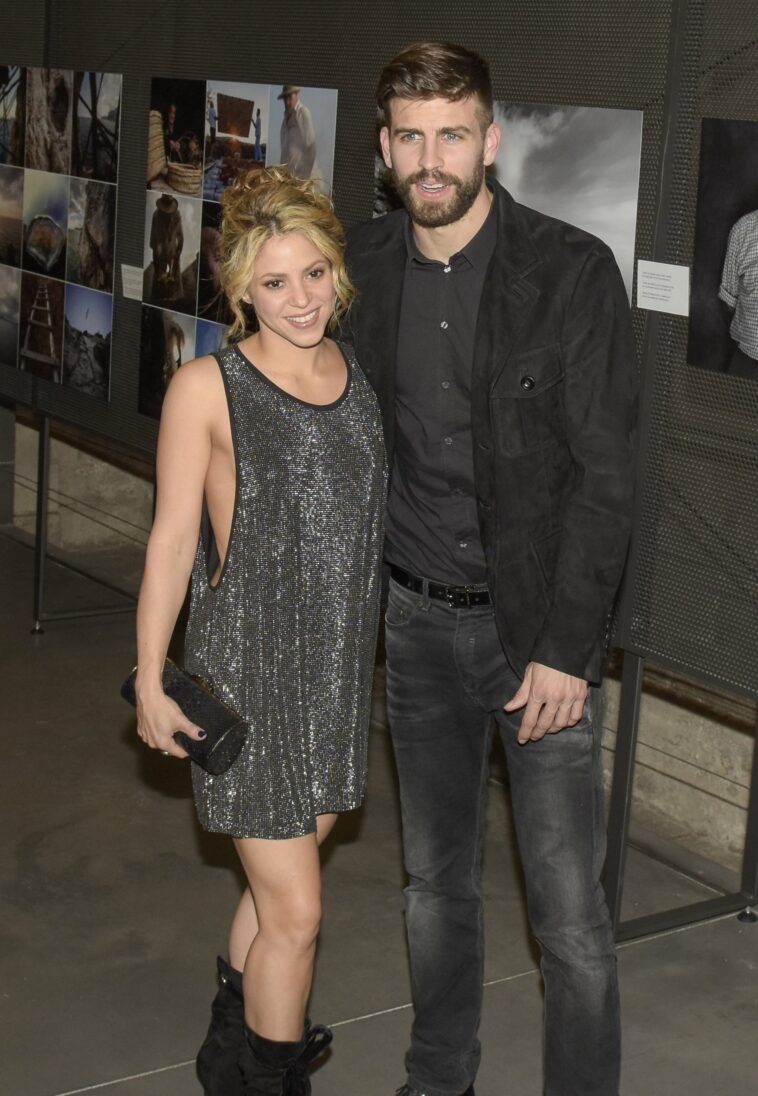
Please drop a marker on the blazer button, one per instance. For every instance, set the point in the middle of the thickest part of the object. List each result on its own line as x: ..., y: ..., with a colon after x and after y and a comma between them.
x: 527, y: 382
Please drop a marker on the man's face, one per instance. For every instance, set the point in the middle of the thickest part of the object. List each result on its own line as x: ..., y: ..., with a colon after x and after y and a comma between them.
x: 290, y: 101
x: 171, y: 114
x: 437, y: 153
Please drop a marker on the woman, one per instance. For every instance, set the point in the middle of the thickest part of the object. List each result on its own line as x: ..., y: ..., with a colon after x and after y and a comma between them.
x: 280, y: 436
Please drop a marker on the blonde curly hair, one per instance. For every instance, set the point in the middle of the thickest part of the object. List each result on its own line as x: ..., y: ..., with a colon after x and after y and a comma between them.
x: 274, y: 202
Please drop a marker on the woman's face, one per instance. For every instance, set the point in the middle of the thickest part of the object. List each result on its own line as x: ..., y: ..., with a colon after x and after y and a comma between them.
x: 292, y: 290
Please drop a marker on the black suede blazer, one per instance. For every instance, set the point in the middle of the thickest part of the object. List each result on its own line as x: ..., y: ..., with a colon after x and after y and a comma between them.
x: 553, y: 416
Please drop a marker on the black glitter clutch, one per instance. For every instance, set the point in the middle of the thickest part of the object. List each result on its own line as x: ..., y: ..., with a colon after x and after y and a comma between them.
x: 224, y: 728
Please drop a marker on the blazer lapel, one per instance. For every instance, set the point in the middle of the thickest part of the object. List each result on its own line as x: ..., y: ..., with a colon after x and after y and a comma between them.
x: 508, y: 298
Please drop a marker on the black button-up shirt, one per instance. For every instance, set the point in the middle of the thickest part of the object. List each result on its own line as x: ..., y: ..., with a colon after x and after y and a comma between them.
x: 432, y: 524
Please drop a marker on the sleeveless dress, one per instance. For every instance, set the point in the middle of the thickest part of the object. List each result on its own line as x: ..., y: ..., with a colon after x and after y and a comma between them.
x: 288, y: 632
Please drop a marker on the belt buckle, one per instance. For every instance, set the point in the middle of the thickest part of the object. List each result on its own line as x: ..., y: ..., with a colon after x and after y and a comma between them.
x: 460, y: 598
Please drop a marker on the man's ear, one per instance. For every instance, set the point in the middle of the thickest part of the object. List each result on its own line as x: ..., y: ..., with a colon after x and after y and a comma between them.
x: 491, y: 143
x: 384, y: 141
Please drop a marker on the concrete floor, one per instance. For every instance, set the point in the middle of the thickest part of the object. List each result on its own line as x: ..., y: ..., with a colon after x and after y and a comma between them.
x: 113, y: 905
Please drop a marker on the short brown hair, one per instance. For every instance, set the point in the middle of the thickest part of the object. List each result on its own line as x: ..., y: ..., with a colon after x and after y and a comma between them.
x: 273, y: 202
x: 435, y: 70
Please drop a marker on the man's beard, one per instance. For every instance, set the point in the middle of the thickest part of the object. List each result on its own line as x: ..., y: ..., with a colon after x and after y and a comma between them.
x: 435, y: 214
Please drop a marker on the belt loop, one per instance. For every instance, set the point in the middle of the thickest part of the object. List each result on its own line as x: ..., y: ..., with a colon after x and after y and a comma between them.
x: 425, y: 603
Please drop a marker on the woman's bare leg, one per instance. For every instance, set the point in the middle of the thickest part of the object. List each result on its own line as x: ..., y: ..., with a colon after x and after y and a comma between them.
x: 279, y: 922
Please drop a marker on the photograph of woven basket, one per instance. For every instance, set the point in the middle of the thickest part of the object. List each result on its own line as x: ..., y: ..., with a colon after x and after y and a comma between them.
x: 156, y: 149
x: 186, y: 178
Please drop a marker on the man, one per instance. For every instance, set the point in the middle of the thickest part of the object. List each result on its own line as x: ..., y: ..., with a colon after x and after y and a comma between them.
x: 739, y: 291
x: 170, y: 137
x: 212, y: 120
x: 499, y: 344
x: 298, y: 136
x: 258, y: 151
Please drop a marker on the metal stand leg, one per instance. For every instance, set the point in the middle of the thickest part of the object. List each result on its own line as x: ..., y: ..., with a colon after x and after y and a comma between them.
x: 40, y: 540
x: 750, y: 855
x: 623, y: 779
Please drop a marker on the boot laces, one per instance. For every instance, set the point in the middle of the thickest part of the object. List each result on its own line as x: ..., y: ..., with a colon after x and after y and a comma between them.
x: 295, y: 1082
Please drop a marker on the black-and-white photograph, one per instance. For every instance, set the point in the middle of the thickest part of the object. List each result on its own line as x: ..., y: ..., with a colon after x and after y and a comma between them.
x: 11, y: 214
x: 91, y: 232
x: 45, y: 223
x: 723, y: 333
x: 49, y: 119
x: 97, y: 113
x: 236, y: 132
x: 302, y: 131
x: 175, y: 136
x: 171, y: 247
x: 12, y: 114
x: 88, y: 321
x: 41, y: 333
x: 10, y: 302
x: 579, y: 164
x: 167, y: 341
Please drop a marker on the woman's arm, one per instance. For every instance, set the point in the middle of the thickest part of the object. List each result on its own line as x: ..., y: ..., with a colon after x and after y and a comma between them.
x: 184, y: 450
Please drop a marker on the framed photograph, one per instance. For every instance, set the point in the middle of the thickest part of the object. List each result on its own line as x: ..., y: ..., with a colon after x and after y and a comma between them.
x: 211, y: 302
x: 167, y: 341
x: 723, y: 331
x: 10, y: 305
x: 210, y: 337
x: 579, y: 164
x: 236, y: 133
x: 41, y: 327
x: 302, y: 131
x: 88, y: 323
x: 175, y: 136
x: 11, y: 214
x: 96, y: 118
x: 91, y: 234
x: 49, y: 119
x: 45, y: 218
x: 12, y: 114
x: 171, y: 250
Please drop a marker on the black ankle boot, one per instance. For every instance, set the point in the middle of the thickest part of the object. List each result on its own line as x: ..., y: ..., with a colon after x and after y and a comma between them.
x: 218, y: 1058
x: 270, y: 1068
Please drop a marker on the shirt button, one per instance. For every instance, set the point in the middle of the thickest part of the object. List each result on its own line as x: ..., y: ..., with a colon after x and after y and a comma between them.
x: 463, y: 544
x: 448, y: 441
x: 444, y: 325
x: 447, y: 269
x: 446, y: 384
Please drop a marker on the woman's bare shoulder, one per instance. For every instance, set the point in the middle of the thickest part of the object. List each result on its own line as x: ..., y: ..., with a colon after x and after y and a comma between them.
x: 199, y: 379
x: 195, y: 392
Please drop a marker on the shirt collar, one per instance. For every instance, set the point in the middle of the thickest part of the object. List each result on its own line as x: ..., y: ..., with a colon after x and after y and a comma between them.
x: 477, y: 252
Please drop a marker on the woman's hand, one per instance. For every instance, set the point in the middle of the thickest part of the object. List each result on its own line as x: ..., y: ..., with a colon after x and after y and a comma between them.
x: 158, y: 719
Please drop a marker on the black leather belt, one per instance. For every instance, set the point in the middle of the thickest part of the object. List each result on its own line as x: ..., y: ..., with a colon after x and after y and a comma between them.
x: 457, y: 597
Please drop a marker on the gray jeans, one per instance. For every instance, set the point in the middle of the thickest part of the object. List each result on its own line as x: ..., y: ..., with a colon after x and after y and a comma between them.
x: 447, y: 677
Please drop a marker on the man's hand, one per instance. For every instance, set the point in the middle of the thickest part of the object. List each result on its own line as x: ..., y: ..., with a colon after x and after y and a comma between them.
x: 551, y: 700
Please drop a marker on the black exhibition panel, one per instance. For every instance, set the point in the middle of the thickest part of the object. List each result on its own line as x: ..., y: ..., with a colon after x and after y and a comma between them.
x: 693, y: 576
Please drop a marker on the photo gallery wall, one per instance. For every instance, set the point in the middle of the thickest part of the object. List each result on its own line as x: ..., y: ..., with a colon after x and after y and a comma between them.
x: 202, y: 135
x: 59, y: 138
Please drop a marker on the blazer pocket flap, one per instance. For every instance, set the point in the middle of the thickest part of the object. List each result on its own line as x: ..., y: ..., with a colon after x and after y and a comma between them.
x: 529, y: 374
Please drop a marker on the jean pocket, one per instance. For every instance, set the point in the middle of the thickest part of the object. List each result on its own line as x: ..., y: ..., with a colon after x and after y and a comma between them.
x: 400, y: 607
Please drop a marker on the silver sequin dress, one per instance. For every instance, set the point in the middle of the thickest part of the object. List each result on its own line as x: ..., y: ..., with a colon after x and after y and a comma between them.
x: 288, y: 632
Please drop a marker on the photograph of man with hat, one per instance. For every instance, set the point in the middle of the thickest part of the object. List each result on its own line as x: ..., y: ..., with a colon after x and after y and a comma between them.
x: 298, y: 136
